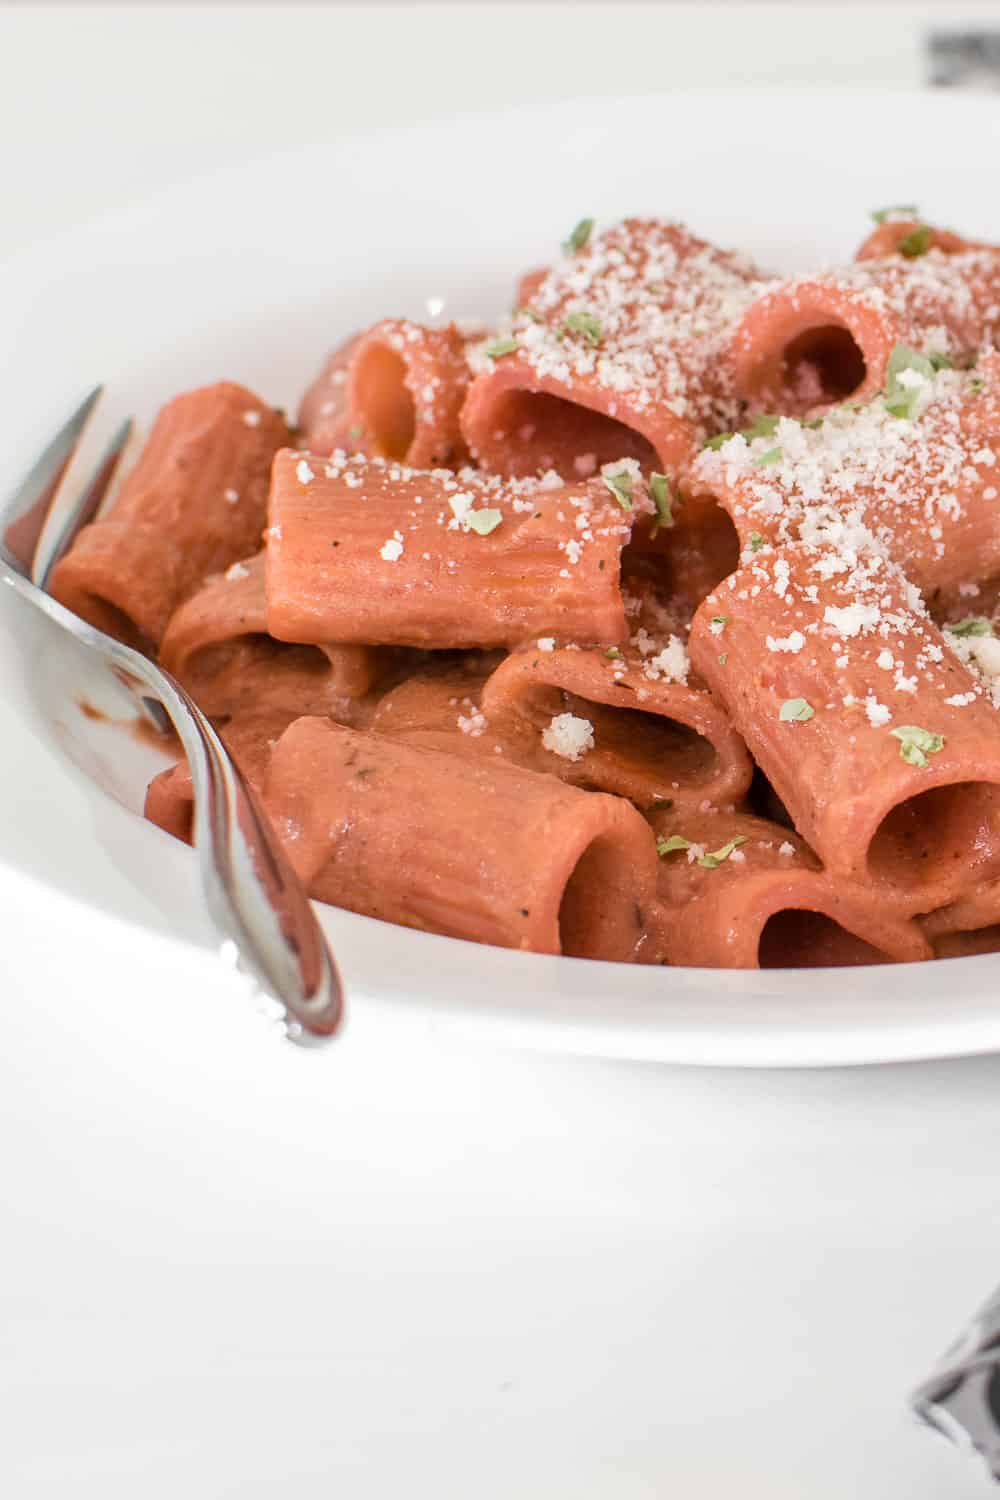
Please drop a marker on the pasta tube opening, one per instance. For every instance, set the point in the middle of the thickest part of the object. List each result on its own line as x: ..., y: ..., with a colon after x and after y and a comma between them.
x: 967, y: 944
x: 629, y: 741
x: 820, y: 366
x: 796, y: 938
x: 600, y: 911
x: 802, y: 357
x: 550, y: 432
x: 638, y: 737
x: 102, y: 612
x: 253, y: 670
x: 379, y: 388
x: 218, y: 646
x: 937, y: 835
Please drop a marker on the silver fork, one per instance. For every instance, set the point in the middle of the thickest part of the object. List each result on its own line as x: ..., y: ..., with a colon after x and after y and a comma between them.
x: 254, y: 896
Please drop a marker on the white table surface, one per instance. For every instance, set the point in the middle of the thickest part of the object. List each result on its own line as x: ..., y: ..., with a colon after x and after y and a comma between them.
x: 488, y: 1274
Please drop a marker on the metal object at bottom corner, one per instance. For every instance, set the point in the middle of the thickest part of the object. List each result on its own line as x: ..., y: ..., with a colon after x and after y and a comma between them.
x: 963, y: 59
x: 961, y: 1397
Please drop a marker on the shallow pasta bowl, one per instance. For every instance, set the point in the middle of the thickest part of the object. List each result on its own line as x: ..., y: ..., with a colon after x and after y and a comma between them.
x: 155, y: 300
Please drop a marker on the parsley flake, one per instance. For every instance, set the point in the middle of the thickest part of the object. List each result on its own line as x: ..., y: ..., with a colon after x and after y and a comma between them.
x: 619, y: 482
x: 902, y: 398
x: 671, y: 845
x: 916, y: 744
x: 659, y: 488
x: 719, y: 620
x: 714, y: 859
x: 613, y: 652
x: 585, y: 324
x: 940, y: 362
x: 716, y: 442
x: 973, y: 625
x: 578, y: 237
x: 772, y: 456
x: 763, y: 427
x: 500, y: 347
x: 975, y: 385
x: 796, y: 711
x: 482, y: 522
x: 917, y: 242
x: 904, y: 210
x: 756, y: 541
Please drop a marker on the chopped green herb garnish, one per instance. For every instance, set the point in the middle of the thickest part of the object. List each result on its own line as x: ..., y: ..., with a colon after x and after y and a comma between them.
x: 482, y: 522
x: 578, y: 237
x: 940, y: 362
x: 905, y: 210
x: 501, y: 347
x: 716, y: 443
x: 902, y: 397
x: 619, y: 482
x: 659, y: 488
x: 671, y: 845
x: 714, y: 860
x: 722, y: 659
x: 917, y: 242
x: 812, y: 423
x: 756, y: 541
x: 763, y: 427
x: 772, y: 456
x: 613, y: 652
x: 973, y: 625
x: 585, y: 324
x: 915, y: 744
x: 796, y: 710
x: 719, y: 620
x: 975, y: 385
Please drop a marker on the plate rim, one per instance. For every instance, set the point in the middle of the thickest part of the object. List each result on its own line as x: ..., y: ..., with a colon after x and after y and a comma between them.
x: 788, y: 1043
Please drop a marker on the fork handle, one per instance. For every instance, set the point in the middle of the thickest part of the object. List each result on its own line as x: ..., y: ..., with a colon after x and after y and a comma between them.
x: 254, y: 896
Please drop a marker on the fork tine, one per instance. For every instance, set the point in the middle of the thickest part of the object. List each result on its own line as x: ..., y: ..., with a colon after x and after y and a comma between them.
x: 23, y: 516
x: 85, y: 507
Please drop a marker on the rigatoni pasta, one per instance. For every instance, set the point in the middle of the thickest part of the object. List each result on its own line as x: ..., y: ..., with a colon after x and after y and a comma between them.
x: 617, y: 354
x: 813, y: 341
x: 367, y: 551
x: 451, y: 844
x: 654, y: 622
x: 194, y: 504
x: 217, y: 644
x: 395, y: 392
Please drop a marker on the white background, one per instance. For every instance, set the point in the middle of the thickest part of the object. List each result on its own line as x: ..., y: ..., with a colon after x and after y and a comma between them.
x: 412, y: 1263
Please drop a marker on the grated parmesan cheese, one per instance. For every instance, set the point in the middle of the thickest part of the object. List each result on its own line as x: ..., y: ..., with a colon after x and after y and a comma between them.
x: 568, y: 736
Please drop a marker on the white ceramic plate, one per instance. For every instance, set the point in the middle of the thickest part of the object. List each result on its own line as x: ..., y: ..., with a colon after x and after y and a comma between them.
x: 252, y: 274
